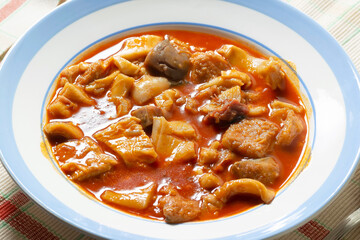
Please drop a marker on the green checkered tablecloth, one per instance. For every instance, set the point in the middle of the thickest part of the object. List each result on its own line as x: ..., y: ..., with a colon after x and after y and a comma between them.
x: 21, y: 218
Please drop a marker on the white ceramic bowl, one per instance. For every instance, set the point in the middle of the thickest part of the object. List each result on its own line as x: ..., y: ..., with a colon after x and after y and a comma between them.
x: 328, y: 79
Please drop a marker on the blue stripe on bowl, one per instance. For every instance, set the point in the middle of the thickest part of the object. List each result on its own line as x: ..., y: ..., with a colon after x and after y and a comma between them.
x: 23, y: 51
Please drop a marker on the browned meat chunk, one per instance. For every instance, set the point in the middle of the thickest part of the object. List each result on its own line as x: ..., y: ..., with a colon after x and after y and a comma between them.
x: 96, y: 70
x: 209, y: 181
x: 123, y: 105
x: 83, y: 159
x: 251, y: 138
x: 146, y: 114
x: 209, y: 155
x: 69, y: 74
x: 206, y: 65
x: 166, y: 99
x: 217, y: 101
x: 207, y: 93
x: 68, y: 100
x: 292, y: 126
x: 265, y: 170
x: 230, y: 111
x: 191, y: 105
x: 215, y: 156
x: 289, y: 115
x: 165, y: 60
x: 272, y: 73
x: 100, y: 86
x: 178, y: 209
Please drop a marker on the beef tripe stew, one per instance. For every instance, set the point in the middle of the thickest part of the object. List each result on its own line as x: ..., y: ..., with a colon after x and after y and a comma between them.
x: 177, y: 125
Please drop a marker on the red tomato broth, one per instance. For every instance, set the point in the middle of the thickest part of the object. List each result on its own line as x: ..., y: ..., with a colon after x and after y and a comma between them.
x: 181, y: 174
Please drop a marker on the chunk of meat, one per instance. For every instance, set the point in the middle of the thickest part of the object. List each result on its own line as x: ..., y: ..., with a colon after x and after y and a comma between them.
x: 148, y: 87
x: 230, y: 111
x: 123, y: 105
x: 265, y: 170
x: 68, y: 100
x: 191, y: 105
x: 250, y: 96
x: 62, y: 107
x: 225, y: 157
x: 270, y: 70
x: 121, y: 86
x: 65, y: 130
x: 206, y: 65
x: 292, y: 126
x: 83, y: 159
x: 217, y: 102
x: 251, y: 137
x: 221, y: 195
x: 69, y: 74
x: 138, y: 47
x: 239, y: 58
x: 228, y: 79
x: 165, y: 60
x: 173, y: 140
x: 256, y: 111
x: 99, y: 86
x: 128, y: 140
x: 76, y: 94
x: 146, y: 114
x: 96, y: 70
x: 232, y: 93
x: 178, y: 209
x: 277, y: 105
x: 166, y: 99
x: 138, y: 198
x: 289, y: 70
x: 209, y: 181
x: 208, y: 155
x: 232, y: 76
x: 215, y: 156
x: 207, y: 93
x: 289, y: 115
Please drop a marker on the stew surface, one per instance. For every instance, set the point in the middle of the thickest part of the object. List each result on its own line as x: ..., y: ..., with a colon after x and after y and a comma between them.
x: 177, y: 125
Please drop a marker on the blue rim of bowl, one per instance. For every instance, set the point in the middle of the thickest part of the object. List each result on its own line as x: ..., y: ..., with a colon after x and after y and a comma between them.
x: 26, y: 47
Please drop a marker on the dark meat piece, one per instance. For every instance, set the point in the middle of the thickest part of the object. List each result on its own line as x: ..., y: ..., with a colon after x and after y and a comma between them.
x: 207, y: 65
x: 178, y: 209
x: 228, y: 112
x: 165, y: 60
x: 146, y: 114
x: 265, y: 170
x: 251, y: 137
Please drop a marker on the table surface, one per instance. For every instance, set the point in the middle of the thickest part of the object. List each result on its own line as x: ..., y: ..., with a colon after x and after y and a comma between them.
x: 21, y: 218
